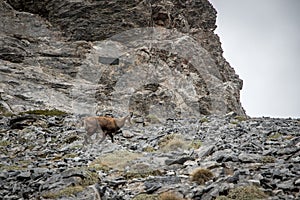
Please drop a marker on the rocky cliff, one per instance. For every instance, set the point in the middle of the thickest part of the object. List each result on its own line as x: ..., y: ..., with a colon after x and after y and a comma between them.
x: 190, y: 137
x: 154, y: 58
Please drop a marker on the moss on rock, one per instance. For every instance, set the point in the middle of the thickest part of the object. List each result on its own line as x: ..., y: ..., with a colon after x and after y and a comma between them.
x: 46, y: 112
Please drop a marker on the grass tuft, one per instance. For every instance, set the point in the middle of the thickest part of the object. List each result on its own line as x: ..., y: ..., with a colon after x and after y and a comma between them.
x: 149, y: 149
x: 268, y: 159
x: 53, y: 112
x: 196, y: 144
x: 172, y: 142
x: 203, y: 120
x: 169, y: 196
x: 244, y: 193
x: 68, y: 191
x: 146, y: 197
x: 141, y: 170
x: 201, y: 175
x: 115, y: 160
x: 275, y: 136
x: 240, y: 118
x: 4, y: 143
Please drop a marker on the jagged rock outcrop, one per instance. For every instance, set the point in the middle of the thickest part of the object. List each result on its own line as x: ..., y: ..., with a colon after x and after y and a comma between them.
x: 159, y: 59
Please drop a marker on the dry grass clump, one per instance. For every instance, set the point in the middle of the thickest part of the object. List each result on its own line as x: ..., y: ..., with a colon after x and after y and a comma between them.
x: 162, y: 196
x: 275, y: 136
x: 201, y: 175
x: 173, y: 142
x: 268, y: 159
x: 244, y: 193
x: 240, y: 118
x: 115, y: 160
x: 141, y: 170
x: 149, y: 149
x: 169, y: 196
x: 53, y: 112
x: 146, y: 197
x: 68, y: 191
x: 196, y: 144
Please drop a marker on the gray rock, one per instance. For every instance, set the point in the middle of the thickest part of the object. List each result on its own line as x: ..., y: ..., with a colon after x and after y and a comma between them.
x: 201, y: 88
x: 249, y: 158
x: 24, y: 176
x: 205, y: 150
x: 286, y: 185
x: 235, y: 178
x: 180, y: 160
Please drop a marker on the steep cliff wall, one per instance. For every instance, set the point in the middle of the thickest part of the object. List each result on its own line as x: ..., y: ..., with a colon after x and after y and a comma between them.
x: 155, y: 58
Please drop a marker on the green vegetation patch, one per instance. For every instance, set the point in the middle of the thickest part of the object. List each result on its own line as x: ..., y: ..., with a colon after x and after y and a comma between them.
x: 90, y: 178
x: 173, y: 142
x: 201, y: 175
x: 52, y: 112
x: 4, y: 111
x: 12, y: 167
x: 68, y: 191
x: 240, y: 118
x: 146, y: 197
x: 196, y: 144
x: 275, y: 136
x: 203, y: 120
x: 268, y: 159
x: 115, y: 160
x: 244, y: 193
x: 141, y: 170
x: 149, y: 149
x: 4, y: 143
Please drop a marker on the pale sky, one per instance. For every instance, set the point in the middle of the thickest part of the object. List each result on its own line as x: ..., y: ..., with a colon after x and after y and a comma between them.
x: 261, y: 41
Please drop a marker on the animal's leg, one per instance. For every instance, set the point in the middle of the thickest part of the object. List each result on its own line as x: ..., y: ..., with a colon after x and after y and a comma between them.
x: 112, y: 137
x: 86, y: 138
x: 91, y: 127
x: 100, y: 132
x: 103, y: 138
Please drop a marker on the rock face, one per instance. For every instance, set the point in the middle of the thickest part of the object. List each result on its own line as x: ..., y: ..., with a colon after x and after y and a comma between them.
x: 159, y: 59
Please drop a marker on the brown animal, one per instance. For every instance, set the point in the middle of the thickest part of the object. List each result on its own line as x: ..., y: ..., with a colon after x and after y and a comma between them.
x: 104, y: 125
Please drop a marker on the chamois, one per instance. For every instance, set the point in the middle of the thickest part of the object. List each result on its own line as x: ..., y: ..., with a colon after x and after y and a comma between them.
x: 103, y: 125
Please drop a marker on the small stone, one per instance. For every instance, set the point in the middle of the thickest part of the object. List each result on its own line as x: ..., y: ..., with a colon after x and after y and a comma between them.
x: 235, y: 178
x: 205, y: 150
x: 127, y: 134
x: 286, y: 185
x: 24, y: 175
x: 190, y: 163
x: 151, y: 187
x: 249, y: 158
x: 254, y: 182
x: 3, y: 175
x: 297, y: 182
x: 180, y: 160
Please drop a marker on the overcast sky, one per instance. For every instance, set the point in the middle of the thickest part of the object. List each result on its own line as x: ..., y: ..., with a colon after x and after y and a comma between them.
x: 261, y: 41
